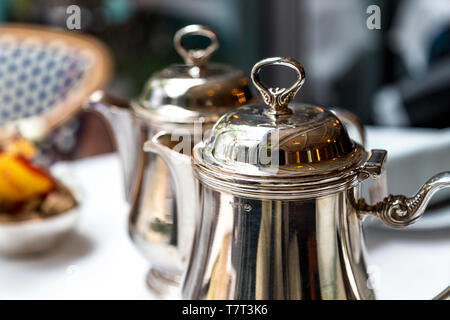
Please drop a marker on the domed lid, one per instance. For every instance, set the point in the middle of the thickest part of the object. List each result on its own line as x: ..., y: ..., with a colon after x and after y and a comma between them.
x: 278, y: 139
x: 197, y: 90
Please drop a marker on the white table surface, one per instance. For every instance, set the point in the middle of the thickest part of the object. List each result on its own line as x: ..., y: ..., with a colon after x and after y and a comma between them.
x: 100, y: 262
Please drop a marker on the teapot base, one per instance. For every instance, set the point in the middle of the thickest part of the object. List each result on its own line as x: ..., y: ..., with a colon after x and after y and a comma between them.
x: 163, y: 286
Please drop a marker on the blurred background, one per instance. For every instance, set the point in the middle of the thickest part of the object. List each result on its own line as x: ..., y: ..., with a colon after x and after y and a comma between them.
x: 398, y: 75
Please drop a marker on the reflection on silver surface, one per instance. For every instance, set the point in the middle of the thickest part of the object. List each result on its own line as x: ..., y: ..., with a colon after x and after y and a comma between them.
x: 271, y: 249
x: 173, y: 100
x: 294, y: 232
x: 167, y: 237
x: 399, y: 211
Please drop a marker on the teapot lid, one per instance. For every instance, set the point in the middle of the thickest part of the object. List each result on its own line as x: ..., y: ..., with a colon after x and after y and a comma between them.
x: 196, y: 90
x: 278, y: 139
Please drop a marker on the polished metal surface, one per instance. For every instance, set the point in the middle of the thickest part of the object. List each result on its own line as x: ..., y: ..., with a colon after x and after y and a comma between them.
x: 280, y: 147
x: 399, y: 211
x: 149, y: 190
x: 352, y: 123
x: 272, y: 249
x: 294, y: 231
x: 168, y: 238
x: 196, y: 57
x: 171, y: 96
x: 182, y: 101
x: 444, y: 295
x: 164, y: 230
x: 278, y: 98
x: 195, y: 91
x: 308, y: 142
x: 248, y: 248
x: 129, y: 133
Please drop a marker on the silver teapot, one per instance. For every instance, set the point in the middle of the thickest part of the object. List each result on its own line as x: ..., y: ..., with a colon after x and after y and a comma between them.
x: 276, y: 201
x: 184, y: 100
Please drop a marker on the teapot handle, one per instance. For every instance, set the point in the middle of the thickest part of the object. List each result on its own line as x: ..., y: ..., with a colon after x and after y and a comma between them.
x: 398, y: 211
x: 176, y: 155
x: 197, y: 57
x: 278, y: 98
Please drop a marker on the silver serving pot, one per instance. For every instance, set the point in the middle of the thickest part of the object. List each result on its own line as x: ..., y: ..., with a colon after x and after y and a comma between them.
x: 184, y: 100
x: 277, y: 202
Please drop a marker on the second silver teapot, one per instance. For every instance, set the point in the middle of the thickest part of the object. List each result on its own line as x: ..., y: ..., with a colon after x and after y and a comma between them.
x: 183, y: 101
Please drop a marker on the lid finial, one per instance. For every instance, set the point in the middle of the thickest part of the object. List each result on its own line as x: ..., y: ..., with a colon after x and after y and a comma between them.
x: 195, y: 57
x: 278, y: 98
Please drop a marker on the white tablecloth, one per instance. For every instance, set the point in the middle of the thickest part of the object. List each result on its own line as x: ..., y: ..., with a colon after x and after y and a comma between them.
x: 100, y: 262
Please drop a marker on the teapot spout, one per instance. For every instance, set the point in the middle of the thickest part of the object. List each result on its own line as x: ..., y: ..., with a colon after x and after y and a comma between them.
x: 128, y: 135
x: 399, y: 211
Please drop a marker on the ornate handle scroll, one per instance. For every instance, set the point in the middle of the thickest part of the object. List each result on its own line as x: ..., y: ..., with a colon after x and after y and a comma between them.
x: 278, y: 98
x: 197, y: 57
x: 399, y: 211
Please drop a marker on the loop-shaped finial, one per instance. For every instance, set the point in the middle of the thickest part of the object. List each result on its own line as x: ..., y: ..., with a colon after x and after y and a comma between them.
x: 195, y: 57
x: 278, y: 98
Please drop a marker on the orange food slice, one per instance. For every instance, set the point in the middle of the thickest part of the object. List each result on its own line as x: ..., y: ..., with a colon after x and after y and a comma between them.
x: 20, y: 180
x: 21, y: 146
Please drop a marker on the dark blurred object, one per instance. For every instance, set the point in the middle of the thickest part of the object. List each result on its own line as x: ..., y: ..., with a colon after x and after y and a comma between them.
x: 348, y: 65
x: 93, y: 137
x: 419, y: 102
x: 440, y: 47
x: 421, y: 96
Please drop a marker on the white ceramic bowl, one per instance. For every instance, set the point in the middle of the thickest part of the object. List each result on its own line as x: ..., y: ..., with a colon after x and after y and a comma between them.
x: 39, y: 235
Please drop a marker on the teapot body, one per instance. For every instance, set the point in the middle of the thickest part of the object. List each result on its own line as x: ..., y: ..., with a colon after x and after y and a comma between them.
x: 278, y: 249
x: 152, y: 219
x: 149, y: 186
x: 279, y: 207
